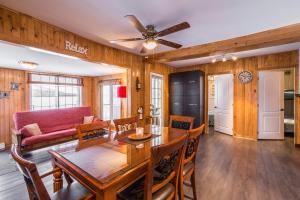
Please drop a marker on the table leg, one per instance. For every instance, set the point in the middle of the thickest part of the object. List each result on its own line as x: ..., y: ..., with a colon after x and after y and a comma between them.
x: 57, y: 179
x: 110, y: 194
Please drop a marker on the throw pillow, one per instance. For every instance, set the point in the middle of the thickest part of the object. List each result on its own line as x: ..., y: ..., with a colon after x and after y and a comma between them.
x: 32, y: 130
x: 88, y: 119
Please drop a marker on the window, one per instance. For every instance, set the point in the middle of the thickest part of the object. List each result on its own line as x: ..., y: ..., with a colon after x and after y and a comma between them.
x: 50, y: 91
x: 111, y: 104
x: 156, y: 96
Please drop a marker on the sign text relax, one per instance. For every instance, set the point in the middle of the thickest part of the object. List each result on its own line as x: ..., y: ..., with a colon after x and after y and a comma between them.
x: 75, y: 47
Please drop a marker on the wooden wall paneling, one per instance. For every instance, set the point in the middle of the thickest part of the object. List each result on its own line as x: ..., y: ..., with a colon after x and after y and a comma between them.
x: 87, y: 91
x: 297, y: 104
x: 15, y: 102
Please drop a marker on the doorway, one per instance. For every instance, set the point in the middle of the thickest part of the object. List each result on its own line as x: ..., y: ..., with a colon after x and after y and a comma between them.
x: 156, y: 99
x: 276, y: 104
x: 220, y: 103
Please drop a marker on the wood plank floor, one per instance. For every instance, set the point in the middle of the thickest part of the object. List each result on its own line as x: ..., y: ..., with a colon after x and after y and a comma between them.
x: 227, y: 168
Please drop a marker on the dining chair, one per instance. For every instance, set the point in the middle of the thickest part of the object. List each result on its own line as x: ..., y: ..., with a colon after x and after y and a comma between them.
x: 161, y: 180
x: 88, y: 134
x: 189, y: 161
x: 35, y: 186
x: 124, y: 125
x: 181, y: 122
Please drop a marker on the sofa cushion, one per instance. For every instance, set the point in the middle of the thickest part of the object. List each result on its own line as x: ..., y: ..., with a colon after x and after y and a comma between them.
x: 48, y: 137
x: 52, y: 120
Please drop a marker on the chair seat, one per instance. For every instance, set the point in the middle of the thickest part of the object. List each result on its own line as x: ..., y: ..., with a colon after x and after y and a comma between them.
x: 136, y: 192
x: 187, y: 167
x: 164, y: 192
x: 73, y: 191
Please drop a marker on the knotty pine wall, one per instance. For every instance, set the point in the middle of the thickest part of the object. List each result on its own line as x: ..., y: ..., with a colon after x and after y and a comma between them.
x: 246, y: 95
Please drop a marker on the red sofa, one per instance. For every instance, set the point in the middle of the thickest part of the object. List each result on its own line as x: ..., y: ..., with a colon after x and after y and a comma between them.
x: 57, y: 126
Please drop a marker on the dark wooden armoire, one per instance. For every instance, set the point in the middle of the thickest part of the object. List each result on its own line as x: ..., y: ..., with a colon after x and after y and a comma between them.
x: 186, y: 95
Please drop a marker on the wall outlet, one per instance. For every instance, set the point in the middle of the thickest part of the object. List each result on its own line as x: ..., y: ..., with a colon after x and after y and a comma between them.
x: 2, y: 146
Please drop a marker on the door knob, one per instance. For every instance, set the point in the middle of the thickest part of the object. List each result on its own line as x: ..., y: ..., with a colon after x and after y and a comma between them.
x: 281, y: 109
x: 216, y: 107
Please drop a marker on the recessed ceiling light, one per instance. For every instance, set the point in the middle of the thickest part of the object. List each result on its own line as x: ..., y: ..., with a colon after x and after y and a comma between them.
x: 28, y: 65
x: 214, y: 60
x: 53, y: 53
x: 224, y: 59
x: 112, y: 41
x: 234, y: 58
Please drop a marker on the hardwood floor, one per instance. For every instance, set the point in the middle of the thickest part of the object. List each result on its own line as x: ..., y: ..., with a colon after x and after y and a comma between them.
x: 227, y: 168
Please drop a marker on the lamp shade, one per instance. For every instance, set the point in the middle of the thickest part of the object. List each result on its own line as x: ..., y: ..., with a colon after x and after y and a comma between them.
x: 122, y: 92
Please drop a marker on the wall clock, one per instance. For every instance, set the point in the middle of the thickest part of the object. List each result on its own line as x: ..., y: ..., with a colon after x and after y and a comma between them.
x: 245, y: 77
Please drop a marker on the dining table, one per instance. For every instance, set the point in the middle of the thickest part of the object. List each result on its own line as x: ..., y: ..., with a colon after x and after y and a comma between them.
x: 109, y: 166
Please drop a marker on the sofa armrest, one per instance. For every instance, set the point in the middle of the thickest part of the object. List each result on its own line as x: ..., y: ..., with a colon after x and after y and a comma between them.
x: 16, y: 137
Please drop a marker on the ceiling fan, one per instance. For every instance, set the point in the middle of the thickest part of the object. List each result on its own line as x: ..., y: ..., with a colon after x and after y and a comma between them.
x: 150, y: 35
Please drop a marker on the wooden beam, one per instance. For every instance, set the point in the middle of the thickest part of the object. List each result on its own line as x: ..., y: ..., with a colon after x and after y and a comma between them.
x: 274, y: 37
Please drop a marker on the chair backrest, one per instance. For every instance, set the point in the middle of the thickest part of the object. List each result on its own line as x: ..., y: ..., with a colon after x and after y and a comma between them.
x: 94, y: 132
x: 192, y: 144
x: 125, y: 124
x: 35, y: 186
x: 165, y: 162
x: 181, y: 122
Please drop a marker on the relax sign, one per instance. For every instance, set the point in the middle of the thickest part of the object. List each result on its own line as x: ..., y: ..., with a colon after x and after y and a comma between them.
x: 75, y: 47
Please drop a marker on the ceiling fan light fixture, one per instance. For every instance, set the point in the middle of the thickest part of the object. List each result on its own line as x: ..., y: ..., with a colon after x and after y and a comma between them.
x: 150, y: 44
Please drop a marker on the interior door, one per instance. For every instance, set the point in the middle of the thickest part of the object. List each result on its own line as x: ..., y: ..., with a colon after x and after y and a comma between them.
x: 223, y: 112
x: 271, y: 105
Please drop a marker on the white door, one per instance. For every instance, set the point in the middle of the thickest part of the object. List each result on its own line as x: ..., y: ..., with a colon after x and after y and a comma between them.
x: 271, y: 105
x: 224, y: 103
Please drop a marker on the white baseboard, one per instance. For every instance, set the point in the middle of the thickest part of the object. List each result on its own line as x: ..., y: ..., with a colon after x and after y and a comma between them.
x: 2, y: 146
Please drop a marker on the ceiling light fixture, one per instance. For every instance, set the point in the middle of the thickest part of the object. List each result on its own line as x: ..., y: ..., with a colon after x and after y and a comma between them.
x: 214, y: 60
x: 234, y: 58
x: 150, y: 44
x: 224, y: 59
x: 28, y: 65
x: 53, y: 53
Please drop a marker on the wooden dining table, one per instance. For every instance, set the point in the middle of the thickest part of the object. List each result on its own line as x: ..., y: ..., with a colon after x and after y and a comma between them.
x: 111, y: 165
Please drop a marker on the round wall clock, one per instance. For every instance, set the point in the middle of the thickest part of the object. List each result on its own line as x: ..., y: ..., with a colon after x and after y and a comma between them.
x: 245, y: 77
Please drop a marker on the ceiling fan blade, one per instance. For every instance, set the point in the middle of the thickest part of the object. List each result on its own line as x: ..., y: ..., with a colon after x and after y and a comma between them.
x: 136, y: 23
x: 170, y: 44
x: 143, y: 50
x: 173, y: 29
x: 125, y: 40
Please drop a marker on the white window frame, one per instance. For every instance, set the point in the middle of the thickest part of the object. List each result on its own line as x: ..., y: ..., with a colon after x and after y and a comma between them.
x: 162, y: 95
x: 57, y: 85
x: 111, y: 101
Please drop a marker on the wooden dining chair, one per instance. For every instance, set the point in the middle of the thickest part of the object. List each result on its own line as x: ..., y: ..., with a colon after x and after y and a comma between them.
x: 161, y: 181
x: 124, y: 125
x: 35, y: 186
x: 189, y: 160
x: 89, y: 134
x: 181, y: 122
